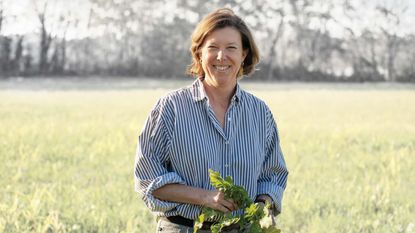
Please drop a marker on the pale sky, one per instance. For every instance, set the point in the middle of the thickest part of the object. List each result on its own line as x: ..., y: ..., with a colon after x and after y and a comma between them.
x: 21, y: 18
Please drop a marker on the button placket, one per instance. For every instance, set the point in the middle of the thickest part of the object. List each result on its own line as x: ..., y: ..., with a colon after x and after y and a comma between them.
x: 228, y: 129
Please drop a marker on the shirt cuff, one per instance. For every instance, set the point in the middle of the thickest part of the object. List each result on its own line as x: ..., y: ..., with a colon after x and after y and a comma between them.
x: 157, y: 205
x: 275, y: 192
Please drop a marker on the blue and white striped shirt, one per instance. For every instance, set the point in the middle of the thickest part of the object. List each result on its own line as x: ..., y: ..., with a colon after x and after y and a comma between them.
x: 182, y: 139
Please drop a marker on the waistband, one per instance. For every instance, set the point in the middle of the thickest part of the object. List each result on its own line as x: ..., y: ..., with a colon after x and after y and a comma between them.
x: 190, y: 223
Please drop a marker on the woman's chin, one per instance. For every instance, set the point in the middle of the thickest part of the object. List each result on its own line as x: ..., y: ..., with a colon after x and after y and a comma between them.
x: 221, y: 80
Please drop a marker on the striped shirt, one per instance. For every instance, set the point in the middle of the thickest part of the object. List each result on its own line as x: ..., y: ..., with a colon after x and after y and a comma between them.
x: 182, y: 139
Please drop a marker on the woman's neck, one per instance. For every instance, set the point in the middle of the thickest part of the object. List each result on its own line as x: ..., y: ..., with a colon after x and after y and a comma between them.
x: 219, y: 94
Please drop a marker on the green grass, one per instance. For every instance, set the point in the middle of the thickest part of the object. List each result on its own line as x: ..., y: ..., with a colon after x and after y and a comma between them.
x: 68, y: 156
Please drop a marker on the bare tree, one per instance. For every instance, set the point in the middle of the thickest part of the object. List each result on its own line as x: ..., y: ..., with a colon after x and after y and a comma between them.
x: 407, y: 68
x: 45, y: 35
x: 87, y: 46
x: 392, y: 19
x: 275, y: 38
x: 64, y: 22
x: 139, y: 37
x: 1, y: 39
x: 5, y: 48
x: 122, y: 35
x: 1, y: 14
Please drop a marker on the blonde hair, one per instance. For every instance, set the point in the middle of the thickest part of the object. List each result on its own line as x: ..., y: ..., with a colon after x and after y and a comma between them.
x: 221, y: 18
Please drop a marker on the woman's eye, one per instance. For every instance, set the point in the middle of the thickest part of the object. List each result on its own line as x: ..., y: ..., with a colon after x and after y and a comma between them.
x: 231, y: 47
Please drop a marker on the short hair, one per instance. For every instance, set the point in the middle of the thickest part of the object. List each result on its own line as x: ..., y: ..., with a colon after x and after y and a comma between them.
x: 221, y: 18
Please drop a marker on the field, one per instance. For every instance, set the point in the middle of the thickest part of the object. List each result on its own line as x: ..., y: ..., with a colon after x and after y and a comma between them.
x: 68, y: 155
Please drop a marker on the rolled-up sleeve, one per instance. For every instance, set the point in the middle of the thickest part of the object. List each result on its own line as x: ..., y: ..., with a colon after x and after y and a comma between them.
x: 152, y: 158
x: 273, y: 178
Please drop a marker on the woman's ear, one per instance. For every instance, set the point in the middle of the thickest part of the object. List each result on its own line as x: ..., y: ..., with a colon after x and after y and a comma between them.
x: 198, y: 55
x: 245, y: 53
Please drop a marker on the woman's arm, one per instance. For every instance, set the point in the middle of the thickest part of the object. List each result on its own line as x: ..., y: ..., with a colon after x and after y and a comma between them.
x: 186, y: 194
x: 273, y: 177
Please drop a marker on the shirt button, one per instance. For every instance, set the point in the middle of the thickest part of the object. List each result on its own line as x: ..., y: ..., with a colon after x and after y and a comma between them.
x: 227, y: 142
x: 229, y: 119
x: 226, y: 165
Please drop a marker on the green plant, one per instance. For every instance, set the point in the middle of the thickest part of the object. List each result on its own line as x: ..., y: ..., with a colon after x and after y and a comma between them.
x: 255, y: 218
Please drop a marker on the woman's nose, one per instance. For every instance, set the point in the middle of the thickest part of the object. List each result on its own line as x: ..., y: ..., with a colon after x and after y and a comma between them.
x: 221, y: 55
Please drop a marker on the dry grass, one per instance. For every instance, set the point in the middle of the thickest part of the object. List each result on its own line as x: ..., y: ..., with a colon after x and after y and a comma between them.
x: 68, y: 159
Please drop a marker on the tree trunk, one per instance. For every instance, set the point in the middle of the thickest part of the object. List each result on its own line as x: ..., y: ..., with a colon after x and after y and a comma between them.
x: 45, y: 40
x: 1, y: 15
x: 392, y: 51
x: 274, y: 42
x: 18, y: 56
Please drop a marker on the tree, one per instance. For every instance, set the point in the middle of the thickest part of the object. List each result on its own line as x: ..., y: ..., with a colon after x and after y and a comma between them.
x: 45, y: 35
x: 17, y: 58
x: 391, y: 19
x: 1, y: 14
x: 5, y: 48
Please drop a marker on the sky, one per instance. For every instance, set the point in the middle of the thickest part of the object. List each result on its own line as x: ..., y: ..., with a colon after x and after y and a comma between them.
x: 21, y: 18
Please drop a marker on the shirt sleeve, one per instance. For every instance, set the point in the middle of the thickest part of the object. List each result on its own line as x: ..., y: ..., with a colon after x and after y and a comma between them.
x: 273, y: 178
x: 152, y: 157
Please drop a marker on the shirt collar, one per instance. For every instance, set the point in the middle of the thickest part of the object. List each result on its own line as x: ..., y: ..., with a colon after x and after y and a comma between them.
x: 199, y: 93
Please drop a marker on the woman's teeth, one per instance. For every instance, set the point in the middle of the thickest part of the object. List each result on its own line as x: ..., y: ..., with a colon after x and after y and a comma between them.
x: 221, y: 68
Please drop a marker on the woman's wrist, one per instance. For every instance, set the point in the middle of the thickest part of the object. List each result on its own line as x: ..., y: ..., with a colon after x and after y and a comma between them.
x: 204, y: 197
x: 264, y: 199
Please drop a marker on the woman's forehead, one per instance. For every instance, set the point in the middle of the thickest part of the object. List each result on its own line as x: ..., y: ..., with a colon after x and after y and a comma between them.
x: 224, y: 35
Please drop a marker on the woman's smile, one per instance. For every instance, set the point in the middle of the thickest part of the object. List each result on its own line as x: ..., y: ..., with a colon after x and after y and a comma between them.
x: 221, y: 68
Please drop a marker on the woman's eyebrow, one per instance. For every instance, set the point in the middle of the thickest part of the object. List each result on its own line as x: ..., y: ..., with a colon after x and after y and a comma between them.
x: 216, y: 43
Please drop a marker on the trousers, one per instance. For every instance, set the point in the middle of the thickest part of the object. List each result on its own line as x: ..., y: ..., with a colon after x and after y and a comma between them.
x: 164, y: 226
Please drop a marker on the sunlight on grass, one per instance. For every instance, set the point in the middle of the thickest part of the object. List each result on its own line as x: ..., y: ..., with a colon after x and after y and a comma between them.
x: 68, y: 160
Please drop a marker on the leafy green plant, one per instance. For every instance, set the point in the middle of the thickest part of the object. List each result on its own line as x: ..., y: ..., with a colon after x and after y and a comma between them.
x: 256, y: 218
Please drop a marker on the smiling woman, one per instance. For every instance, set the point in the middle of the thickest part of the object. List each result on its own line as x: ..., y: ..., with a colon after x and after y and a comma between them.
x: 213, y: 124
x: 202, y: 38
x: 222, y: 57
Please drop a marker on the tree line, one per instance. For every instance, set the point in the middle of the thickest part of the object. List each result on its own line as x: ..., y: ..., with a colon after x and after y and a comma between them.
x: 303, y: 40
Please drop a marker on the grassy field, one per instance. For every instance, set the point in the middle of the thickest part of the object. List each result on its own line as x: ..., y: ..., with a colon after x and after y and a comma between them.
x: 68, y: 156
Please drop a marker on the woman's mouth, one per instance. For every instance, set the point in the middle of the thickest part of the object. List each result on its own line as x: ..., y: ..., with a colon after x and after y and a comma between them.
x: 221, y: 68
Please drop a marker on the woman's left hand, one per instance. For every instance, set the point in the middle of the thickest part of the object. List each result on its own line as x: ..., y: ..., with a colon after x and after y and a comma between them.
x: 267, y: 199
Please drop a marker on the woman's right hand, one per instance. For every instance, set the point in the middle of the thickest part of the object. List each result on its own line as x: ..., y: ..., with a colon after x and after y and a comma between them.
x: 216, y: 200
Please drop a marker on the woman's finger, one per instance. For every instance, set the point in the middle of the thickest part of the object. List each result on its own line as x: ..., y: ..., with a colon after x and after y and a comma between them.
x: 222, y: 208
x: 234, y: 205
x: 228, y: 205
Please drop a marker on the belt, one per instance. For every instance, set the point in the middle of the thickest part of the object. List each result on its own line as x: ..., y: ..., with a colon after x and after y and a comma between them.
x: 190, y: 223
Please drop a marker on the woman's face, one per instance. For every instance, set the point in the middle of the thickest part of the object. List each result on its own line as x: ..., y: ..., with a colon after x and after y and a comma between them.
x: 222, y: 55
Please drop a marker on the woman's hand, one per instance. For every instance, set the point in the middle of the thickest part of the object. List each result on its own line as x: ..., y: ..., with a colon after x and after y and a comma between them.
x: 270, y: 214
x: 262, y: 200
x: 186, y: 194
x: 216, y: 200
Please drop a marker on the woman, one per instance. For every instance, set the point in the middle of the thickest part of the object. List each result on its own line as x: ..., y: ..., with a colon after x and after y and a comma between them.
x: 213, y: 124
